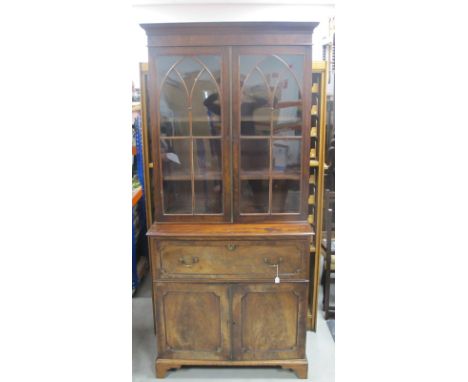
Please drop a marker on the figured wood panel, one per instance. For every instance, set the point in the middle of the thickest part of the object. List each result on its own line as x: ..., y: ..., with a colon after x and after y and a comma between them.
x: 233, y: 259
x: 192, y: 321
x: 269, y: 321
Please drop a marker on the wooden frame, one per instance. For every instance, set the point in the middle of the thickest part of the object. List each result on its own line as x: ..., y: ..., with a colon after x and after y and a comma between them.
x: 216, y: 279
x: 304, y: 172
x: 230, y: 34
x: 230, y: 122
x: 154, y: 92
x: 319, y: 67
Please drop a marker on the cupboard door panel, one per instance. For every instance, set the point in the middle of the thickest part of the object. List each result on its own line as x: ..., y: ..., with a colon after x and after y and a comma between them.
x: 192, y: 321
x: 269, y: 321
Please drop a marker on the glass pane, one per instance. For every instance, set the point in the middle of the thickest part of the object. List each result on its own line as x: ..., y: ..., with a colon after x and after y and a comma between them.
x: 213, y: 63
x: 255, y: 106
x: 164, y: 64
x: 286, y: 156
x: 208, y: 197
x: 287, y: 114
x: 254, y: 196
x: 286, y: 196
x: 173, y: 107
x: 295, y: 63
x: 273, y: 68
x: 287, y: 121
x: 207, y: 158
x: 175, y: 157
x: 206, y: 107
x: 255, y: 155
x: 248, y: 63
x: 189, y: 70
x: 177, y: 197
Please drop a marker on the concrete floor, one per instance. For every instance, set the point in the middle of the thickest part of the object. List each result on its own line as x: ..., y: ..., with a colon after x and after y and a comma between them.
x: 320, y: 352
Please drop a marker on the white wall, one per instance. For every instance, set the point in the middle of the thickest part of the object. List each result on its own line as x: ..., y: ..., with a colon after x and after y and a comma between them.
x: 180, y: 11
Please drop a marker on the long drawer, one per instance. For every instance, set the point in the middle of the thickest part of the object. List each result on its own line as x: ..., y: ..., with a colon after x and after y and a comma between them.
x: 234, y: 259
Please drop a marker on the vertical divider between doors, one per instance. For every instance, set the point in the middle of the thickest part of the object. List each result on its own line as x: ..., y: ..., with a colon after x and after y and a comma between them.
x: 231, y: 141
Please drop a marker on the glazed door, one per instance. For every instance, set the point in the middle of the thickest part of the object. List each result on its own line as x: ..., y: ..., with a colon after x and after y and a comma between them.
x: 271, y: 128
x: 192, y: 321
x: 189, y: 114
x: 269, y: 321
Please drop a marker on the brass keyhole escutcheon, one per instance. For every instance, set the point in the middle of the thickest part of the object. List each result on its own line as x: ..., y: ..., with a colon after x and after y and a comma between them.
x: 231, y: 247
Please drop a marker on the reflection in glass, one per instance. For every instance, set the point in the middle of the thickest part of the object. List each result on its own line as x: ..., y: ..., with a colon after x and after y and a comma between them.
x: 255, y: 108
x: 208, y: 196
x: 285, y: 196
x: 254, y: 196
x: 177, y: 197
x: 173, y: 107
x: 207, y: 158
x: 213, y: 64
x: 295, y: 64
x: 189, y: 69
x: 190, y: 92
x: 247, y: 63
x: 175, y: 156
x: 287, y: 121
x: 255, y: 155
x: 164, y: 64
x: 206, y: 107
x: 271, y: 94
x: 286, y: 156
x: 287, y: 115
x: 273, y: 70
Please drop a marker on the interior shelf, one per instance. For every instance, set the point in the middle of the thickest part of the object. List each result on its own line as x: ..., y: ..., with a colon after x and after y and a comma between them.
x: 188, y: 177
x: 262, y: 175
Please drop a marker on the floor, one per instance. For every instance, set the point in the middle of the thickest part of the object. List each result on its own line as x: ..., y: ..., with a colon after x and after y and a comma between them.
x: 320, y: 352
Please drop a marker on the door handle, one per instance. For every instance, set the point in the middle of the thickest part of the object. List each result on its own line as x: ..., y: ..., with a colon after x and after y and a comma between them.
x: 194, y: 260
x: 271, y: 263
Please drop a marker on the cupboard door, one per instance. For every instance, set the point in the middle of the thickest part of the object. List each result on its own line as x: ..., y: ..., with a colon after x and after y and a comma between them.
x: 269, y: 321
x: 192, y: 321
x: 271, y: 124
x: 190, y: 122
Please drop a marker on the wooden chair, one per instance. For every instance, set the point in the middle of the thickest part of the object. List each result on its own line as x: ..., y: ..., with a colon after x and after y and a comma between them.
x: 328, y: 245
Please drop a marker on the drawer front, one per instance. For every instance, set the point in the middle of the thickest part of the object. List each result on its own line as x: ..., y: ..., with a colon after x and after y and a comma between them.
x: 231, y: 259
